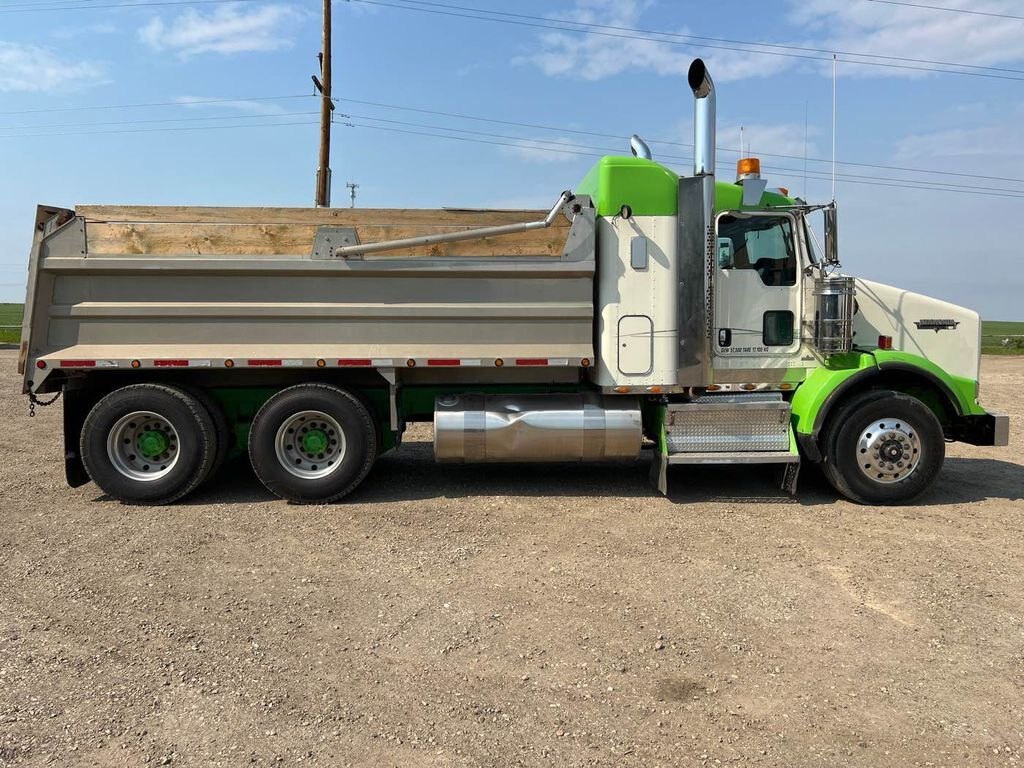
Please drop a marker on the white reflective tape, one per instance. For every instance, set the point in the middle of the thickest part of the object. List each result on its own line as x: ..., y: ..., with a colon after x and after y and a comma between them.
x: 384, y: 362
x: 470, y: 363
x: 558, y: 361
x: 291, y: 363
x: 198, y: 363
x: 106, y: 364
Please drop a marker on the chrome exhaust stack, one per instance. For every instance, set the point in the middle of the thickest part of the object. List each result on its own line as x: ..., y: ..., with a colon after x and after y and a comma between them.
x: 696, y: 240
x: 704, y: 118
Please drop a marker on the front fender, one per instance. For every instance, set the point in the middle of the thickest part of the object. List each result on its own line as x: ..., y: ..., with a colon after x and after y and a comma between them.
x: 826, y: 386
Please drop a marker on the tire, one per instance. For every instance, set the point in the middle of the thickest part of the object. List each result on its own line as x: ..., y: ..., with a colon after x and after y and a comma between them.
x: 123, y: 432
x: 883, y: 447
x: 338, y: 448
x: 221, y: 428
x: 828, y: 445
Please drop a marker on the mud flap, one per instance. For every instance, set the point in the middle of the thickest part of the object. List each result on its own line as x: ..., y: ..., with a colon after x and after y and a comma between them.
x: 659, y: 474
x: 790, y: 473
x: 76, y: 405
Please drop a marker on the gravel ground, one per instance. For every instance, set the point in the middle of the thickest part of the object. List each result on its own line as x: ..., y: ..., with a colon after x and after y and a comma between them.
x: 482, y: 616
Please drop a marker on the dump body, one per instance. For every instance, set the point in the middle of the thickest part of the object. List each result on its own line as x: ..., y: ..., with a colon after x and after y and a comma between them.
x: 157, y: 287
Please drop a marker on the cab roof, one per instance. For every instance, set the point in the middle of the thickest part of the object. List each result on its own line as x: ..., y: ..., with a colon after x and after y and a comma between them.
x: 651, y: 189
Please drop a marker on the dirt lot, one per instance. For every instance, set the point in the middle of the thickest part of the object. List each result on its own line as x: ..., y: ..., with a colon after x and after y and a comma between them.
x: 479, y: 616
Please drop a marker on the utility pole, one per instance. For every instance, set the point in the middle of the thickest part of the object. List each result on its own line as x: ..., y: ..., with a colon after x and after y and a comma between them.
x: 323, y: 172
x: 352, y: 187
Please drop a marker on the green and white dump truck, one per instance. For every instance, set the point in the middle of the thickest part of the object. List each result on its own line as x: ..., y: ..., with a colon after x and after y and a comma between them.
x: 687, y: 312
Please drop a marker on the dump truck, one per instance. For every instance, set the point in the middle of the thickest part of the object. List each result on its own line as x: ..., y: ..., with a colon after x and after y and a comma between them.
x: 691, y: 316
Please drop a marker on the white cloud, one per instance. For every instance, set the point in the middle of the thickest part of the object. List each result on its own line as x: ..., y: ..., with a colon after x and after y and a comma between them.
x: 919, y: 33
x: 874, y: 29
x: 25, y: 67
x: 68, y: 33
x: 232, y: 28
x: 551, y: 150
x: 765, y: 139
x: 597, y: 56
x: 993, y: 149
x: 241, y: 105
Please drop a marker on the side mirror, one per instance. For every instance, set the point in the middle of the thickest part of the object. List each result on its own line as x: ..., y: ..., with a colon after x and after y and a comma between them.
x: 831, y: 235
x: 725, y: 260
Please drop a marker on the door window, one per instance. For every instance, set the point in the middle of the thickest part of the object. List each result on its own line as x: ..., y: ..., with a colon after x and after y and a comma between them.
x: 761, y: 243
x: 778, y: 328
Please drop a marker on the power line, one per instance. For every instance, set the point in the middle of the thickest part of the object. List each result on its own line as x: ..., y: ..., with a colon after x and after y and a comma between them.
x: 909, y: 183
x: 590, y: 30
x: 94, y: 6
x: 540, y: 145
x: 188, y: 103
x: 433, y: 112
x: 668, y: 142
x: 582, y: 149
x: 159, y: 130
x: 155, y: 120
x: 704, y: 38
x: 518, y: 142
x: 949, y: 10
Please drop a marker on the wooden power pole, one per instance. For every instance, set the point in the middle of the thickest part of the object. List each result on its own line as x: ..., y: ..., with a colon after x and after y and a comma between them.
x: 323, y: 173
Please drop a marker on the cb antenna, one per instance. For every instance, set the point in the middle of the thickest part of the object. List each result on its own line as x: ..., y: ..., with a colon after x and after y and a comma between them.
x: 833, y: 127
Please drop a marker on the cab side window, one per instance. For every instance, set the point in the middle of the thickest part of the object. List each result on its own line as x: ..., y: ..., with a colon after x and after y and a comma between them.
x: 761, y: 243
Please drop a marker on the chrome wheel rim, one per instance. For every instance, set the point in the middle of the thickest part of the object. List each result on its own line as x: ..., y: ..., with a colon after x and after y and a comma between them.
x: 889, y: 450
x: 143, y: 445
x: 310, y: 444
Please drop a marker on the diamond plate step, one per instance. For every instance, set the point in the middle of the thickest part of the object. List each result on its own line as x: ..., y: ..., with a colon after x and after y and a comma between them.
x: 728, y: 425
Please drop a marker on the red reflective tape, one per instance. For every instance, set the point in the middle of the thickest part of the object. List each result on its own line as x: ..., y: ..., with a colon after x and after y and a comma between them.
x: 355, y: 361
x: 263, y: 363
x: 77, y: 363
x: 443, y: 361
x: 171, y: 363
x: 531, y: 361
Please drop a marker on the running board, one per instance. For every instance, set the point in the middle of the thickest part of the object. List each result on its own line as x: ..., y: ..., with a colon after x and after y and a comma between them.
x: 751, y: 429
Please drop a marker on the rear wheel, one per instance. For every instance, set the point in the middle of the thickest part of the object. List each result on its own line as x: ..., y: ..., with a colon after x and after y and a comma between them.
x: 148, y: 444
x: 884, y: 447
x: 221, y: 428
x: 312, y: 443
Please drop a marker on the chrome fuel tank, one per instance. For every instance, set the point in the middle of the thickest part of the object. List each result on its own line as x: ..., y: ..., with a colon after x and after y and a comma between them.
x: 557, y: 427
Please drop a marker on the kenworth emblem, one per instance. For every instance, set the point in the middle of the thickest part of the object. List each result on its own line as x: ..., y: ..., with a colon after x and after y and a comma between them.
x: 937, y: 325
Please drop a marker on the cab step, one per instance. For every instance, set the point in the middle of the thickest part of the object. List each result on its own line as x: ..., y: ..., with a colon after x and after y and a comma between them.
x: 741, y: 428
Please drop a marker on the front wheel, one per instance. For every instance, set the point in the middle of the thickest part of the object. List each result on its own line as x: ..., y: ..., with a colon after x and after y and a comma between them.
x: 312, y: 443
x: 884, y: 447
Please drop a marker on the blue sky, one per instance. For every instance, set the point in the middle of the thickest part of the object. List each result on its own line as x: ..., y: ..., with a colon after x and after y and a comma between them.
x: 549, y: 86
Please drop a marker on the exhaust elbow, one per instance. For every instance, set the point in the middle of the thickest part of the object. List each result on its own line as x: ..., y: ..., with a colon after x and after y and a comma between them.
x: 639, y: 147
x: 703, y: 88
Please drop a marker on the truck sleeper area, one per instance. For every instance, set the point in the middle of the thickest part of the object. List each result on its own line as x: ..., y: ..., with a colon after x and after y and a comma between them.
x: 685, y: 313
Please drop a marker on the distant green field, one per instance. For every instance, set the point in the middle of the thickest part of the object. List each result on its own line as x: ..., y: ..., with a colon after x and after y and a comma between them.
x: 994, y: 332
x: 10, y: 314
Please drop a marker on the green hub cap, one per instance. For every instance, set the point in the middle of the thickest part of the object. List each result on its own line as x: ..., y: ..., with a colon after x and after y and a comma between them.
x: 152, y: 443
x: 315, y: 441
x: 310, y: 444
x: 143, y: 445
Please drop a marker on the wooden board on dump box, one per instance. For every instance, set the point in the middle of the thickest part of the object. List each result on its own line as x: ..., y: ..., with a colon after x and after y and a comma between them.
x: 165, y: 230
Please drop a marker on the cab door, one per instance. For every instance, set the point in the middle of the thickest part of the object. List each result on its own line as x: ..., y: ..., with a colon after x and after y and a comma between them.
x: 756, y: 290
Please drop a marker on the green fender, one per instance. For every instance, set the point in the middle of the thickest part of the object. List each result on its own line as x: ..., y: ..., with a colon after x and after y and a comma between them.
x: 823, y: 386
